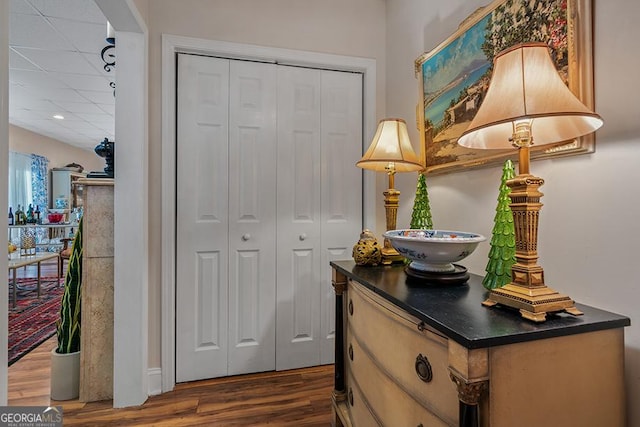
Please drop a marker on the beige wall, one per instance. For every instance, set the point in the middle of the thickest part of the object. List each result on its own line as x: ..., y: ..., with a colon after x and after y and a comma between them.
x: 589, y: 224
x: 354, y: 28
x: 58, y: 153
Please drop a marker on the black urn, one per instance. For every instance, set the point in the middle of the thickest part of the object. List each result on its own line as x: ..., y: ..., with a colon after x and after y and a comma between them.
x: 104, y: 150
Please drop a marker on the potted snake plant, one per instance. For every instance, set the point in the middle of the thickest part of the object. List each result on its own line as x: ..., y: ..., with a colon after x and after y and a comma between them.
x: 65, y: 358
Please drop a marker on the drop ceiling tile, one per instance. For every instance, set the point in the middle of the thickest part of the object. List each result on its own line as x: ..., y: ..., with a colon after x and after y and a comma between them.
x: 98, y: 136
x: 35, y: 79
x: 35, y: 32
x: 81, y: 109
x: 84, y: 36
x: 106, y: 127
x: 22, y: 6
x: 18, y: 62
x: 99, y: 64
x: 108, y: 108
x: 96, y: 118
x: 27, y: 115
x: 84, y: 82
x: 68, y: 117
x: 19, y: 94
x: 56, y: 94
x: 98, y: 97
x: 60, y: 61
x: 43, y: 125
x: 78, y: 125
x: 82, y: 10
x: 37, y: 105
x: 68, y: 133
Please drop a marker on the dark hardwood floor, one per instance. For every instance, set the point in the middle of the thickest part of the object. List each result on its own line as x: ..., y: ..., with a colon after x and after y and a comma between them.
x: 299, y: 397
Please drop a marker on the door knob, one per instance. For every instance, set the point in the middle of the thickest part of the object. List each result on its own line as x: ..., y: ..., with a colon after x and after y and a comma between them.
x: 303, y: 236
x: 246, y: 237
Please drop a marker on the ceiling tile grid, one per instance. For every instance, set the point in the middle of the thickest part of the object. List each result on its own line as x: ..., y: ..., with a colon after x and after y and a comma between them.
x: 55, y: 68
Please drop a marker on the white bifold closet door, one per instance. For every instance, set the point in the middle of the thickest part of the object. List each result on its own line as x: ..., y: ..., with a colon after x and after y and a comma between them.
x: 319, y: 205
x: 267, y: 194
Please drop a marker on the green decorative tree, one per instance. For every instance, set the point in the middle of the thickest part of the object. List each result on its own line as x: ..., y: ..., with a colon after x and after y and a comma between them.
x: 421, y: 214
x: 68, y: 325
x: 502, y: 254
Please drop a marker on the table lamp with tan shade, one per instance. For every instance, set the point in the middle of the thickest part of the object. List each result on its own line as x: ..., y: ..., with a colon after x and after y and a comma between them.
x: 391, y: 151
x: 527, y: 103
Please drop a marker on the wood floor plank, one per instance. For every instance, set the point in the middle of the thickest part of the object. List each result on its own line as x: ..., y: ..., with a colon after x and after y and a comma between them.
x: 299, y: 397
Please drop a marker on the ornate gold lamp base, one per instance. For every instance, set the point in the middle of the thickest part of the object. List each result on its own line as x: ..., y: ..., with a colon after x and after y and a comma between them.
x: 533, y: 303
x: 527, y: 291
x: 391, y: 198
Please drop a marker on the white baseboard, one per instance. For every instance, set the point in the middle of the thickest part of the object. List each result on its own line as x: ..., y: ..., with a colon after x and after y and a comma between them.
x: 155, y: 381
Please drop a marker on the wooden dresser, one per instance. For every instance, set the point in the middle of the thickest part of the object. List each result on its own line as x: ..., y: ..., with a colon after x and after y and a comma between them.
x: 412, y: 356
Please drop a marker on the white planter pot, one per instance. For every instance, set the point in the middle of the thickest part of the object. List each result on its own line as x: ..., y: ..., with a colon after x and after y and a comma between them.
x: 65, y: 375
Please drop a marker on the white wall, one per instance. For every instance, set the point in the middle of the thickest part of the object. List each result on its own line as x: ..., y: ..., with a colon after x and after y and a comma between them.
x: 589, y: 224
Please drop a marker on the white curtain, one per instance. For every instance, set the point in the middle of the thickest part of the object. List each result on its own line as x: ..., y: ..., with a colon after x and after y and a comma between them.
x: 20, y: 192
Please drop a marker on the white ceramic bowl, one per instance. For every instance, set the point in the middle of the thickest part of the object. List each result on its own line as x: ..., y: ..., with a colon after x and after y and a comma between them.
x: 433, y: 250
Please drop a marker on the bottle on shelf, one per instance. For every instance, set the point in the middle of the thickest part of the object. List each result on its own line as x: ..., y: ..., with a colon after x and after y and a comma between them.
x: 18, y: 215
x: 11, y: 220
x: 30, y: 217
x: 36, y: 215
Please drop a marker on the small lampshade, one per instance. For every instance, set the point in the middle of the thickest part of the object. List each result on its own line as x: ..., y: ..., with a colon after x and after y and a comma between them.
x: 525, y: 85
x: 391, y: 147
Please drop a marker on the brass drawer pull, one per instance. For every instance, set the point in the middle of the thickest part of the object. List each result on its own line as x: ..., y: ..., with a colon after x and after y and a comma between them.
x: 350, y: 396
x: 350, y: 352
x: 351, y: 307
x: 423, y: 368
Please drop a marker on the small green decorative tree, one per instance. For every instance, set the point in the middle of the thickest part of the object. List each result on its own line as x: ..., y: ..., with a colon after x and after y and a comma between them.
x: 421, y: 214
x: 68, y: 325
x: 502, y: 254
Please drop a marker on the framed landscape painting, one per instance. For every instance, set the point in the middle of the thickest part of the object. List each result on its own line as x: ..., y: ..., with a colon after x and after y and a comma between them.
x: 454, y: 76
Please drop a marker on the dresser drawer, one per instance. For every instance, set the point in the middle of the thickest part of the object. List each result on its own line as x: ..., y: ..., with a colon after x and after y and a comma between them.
x: 393, y: 405
x: 360, y: 413
x: 393, y: 343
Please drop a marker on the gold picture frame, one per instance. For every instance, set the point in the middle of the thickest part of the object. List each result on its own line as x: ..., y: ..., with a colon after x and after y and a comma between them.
x: 453, y: 76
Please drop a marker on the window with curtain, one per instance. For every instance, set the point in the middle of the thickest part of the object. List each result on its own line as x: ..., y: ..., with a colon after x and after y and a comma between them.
x: 20, y: 188
x: 28, y: 183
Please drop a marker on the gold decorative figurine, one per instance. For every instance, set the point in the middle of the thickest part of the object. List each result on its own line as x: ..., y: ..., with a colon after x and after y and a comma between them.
x: 367, y: 251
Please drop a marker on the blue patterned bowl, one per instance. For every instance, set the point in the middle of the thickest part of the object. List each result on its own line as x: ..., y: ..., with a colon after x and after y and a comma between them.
x: 433, y: 250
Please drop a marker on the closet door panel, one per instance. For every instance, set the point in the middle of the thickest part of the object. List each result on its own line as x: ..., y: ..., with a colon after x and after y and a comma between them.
x: 202, y: 218
x: 252, y: 213
x: 298, y: 181
x: 341, y: 189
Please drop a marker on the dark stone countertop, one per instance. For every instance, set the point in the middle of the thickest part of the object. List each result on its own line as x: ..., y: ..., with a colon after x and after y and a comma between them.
x: 456, y: 310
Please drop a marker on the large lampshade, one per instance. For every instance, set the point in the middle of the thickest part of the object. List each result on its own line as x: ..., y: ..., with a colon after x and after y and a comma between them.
x: 390, y: 146
x: 533, y: 92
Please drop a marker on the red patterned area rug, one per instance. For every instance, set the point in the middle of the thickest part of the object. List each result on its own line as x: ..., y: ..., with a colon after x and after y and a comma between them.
x: 33, y: 319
